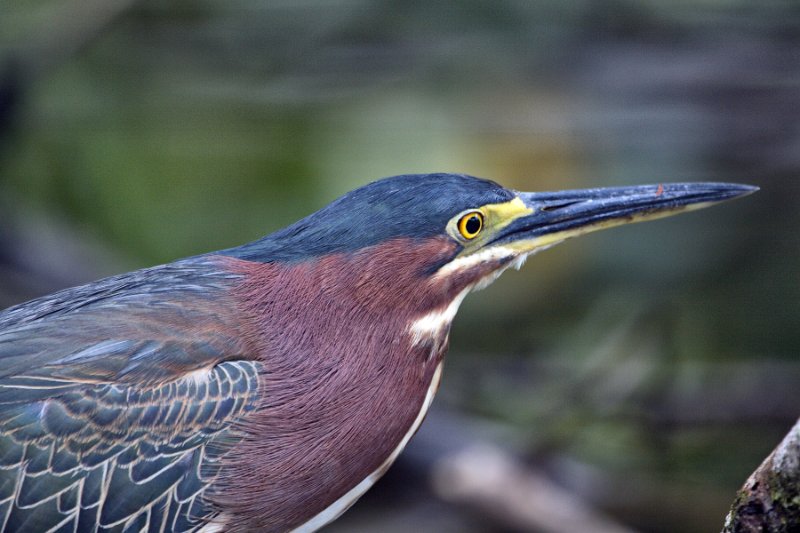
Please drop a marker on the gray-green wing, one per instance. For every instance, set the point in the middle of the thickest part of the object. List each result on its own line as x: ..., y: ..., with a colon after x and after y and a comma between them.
x: 117, y: 401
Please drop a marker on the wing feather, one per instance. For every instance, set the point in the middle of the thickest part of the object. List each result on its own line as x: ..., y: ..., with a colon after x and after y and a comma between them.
x: 117, y: 400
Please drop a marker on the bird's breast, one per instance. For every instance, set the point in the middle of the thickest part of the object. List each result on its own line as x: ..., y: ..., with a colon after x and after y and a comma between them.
x: 344, y: 388
x: 335, y: 509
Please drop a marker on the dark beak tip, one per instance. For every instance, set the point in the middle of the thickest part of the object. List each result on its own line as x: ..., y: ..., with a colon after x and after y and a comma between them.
x: 702, y: 192
x: 709, y: 185
x: 691, y: 192
x: 735, y: 190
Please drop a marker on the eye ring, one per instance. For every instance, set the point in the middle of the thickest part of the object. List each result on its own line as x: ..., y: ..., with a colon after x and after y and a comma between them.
x: 470, y: 224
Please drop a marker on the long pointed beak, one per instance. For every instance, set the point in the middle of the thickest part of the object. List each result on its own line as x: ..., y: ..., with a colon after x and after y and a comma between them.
x: 556, y: 216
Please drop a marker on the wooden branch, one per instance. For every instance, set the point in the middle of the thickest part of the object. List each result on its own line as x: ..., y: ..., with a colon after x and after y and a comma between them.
x: 770, y: 498
x: 493, y: 481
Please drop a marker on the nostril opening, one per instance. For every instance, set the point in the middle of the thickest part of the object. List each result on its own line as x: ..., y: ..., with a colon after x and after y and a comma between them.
x: 556, y: 207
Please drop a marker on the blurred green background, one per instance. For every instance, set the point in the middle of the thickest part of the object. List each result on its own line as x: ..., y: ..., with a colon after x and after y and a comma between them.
x: 637, y: 375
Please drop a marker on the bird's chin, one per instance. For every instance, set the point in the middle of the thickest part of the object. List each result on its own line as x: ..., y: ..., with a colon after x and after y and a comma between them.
x: 501, y: 256
x: 519, y: 254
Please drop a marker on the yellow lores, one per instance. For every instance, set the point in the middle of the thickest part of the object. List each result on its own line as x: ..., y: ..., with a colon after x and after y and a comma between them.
x: 493, y: 218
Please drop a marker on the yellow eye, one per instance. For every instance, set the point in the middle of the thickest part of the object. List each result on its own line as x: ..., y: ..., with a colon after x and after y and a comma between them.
x: 470, y: 224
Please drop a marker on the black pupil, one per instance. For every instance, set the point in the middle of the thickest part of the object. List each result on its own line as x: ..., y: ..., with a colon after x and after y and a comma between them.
x: 473, y: 225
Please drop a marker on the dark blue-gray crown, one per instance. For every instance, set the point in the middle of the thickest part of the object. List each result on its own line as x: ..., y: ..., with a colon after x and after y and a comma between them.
x: 412, y: 206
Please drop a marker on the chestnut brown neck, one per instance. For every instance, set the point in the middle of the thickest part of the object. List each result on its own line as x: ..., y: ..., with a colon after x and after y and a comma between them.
x: 343, y: 378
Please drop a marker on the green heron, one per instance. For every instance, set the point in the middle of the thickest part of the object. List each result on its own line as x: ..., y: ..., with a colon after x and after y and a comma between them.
x: 267, y: 387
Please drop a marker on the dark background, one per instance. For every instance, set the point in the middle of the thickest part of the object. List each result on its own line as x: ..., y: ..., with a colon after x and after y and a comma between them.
x: 640, y: 373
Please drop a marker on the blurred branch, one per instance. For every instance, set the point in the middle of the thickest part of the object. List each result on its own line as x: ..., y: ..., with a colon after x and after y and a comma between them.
x: 770, y: 499
x: 465, y: 467
x: 498, y: 484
